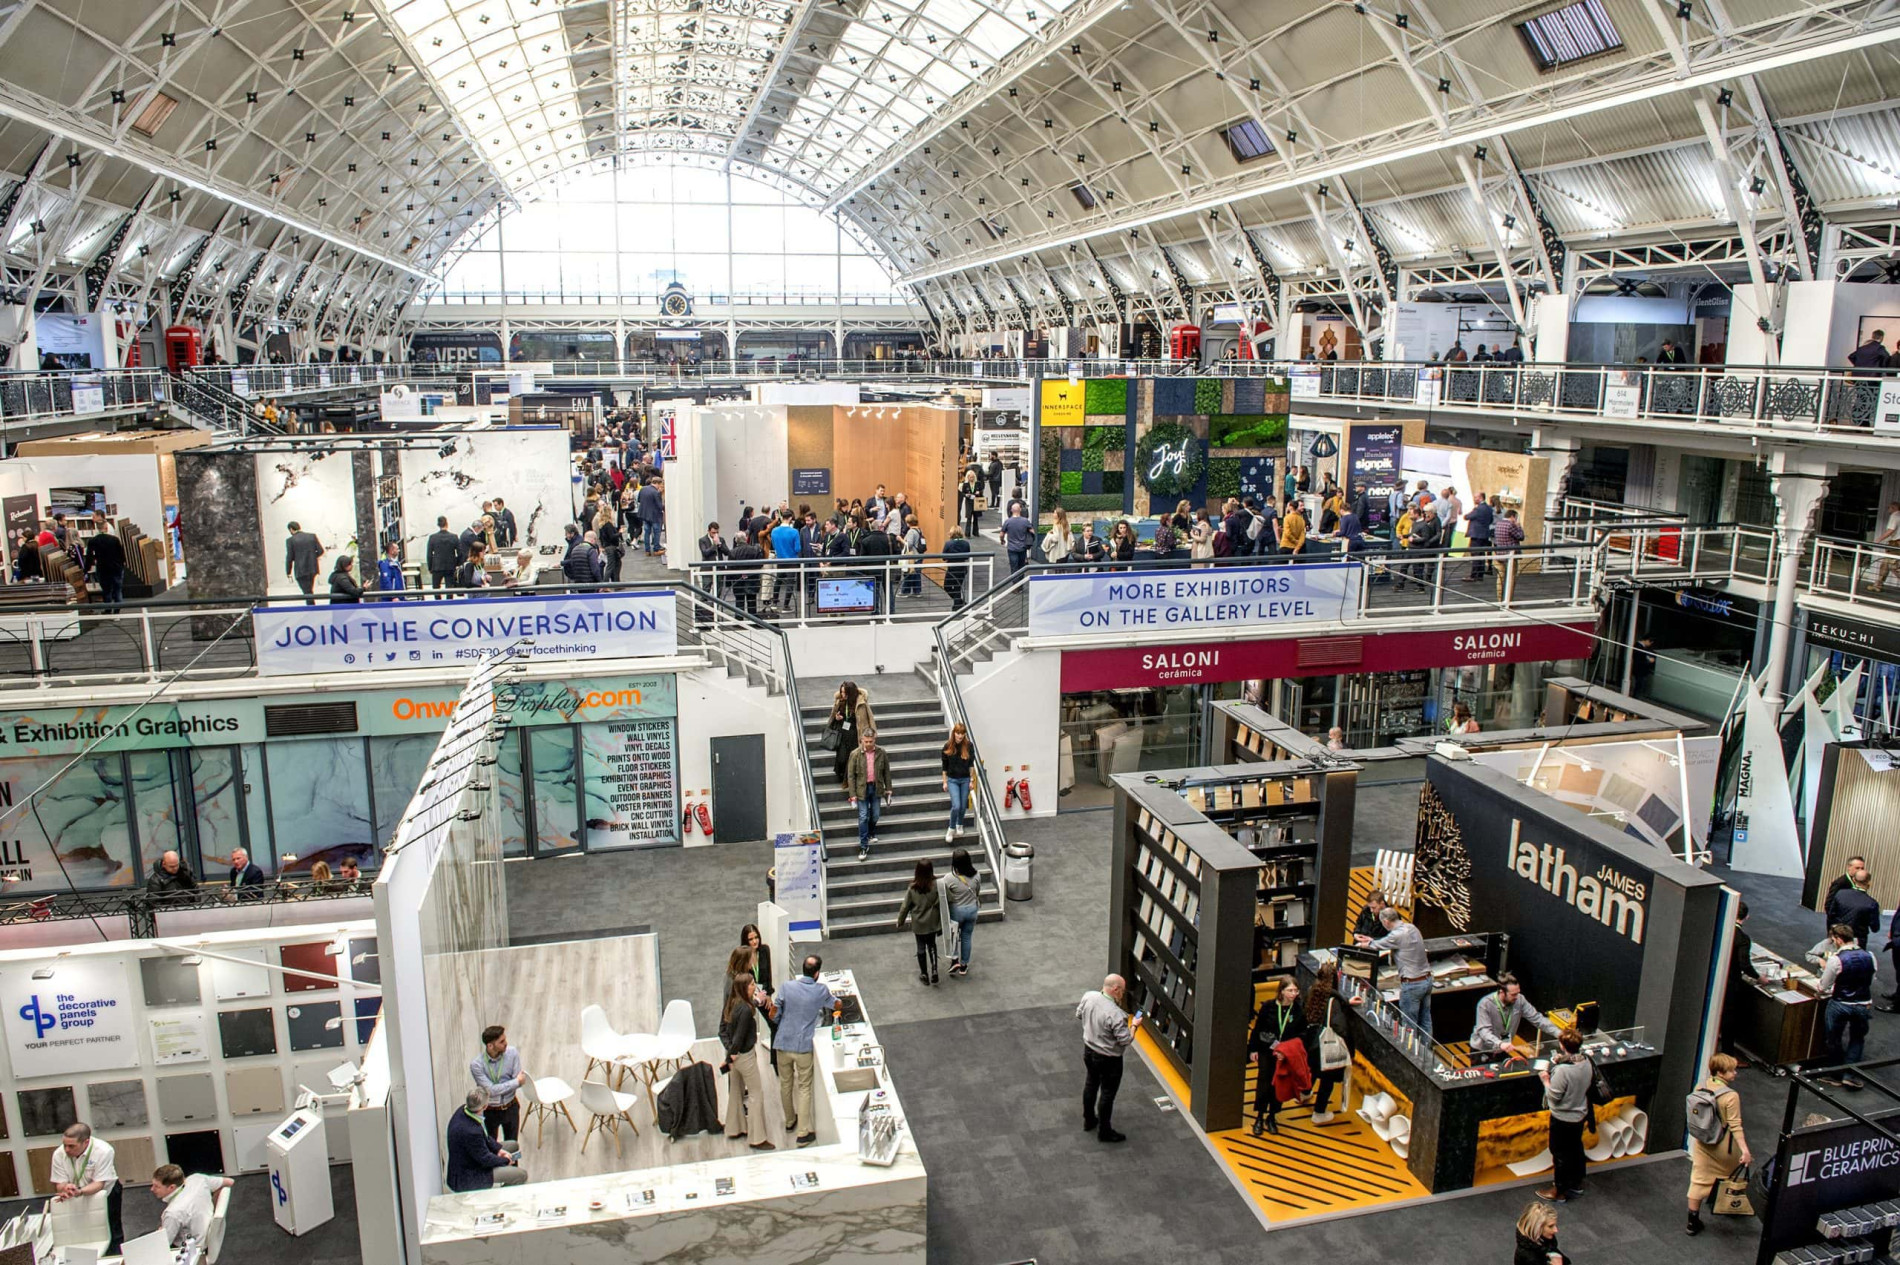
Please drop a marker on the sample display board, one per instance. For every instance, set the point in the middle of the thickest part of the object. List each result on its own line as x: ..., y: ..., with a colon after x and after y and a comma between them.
x: 632, y: 783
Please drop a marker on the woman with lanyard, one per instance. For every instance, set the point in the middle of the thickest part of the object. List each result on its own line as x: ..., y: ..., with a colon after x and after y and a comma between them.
x: 1280, y: 1023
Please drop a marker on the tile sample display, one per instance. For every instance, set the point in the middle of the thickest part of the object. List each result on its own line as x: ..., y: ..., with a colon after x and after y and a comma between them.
x: 196, y: 1152
x: 169, y: 982
x: 366, y: 964
x: 312, y: 958
x: 179, y: 1037
x: 248, y: 1139
x: 367, y: 1008
x: 135, y: 1158
x: 182, y: 1098
x: 309, y: 1025
x: 254, y: 1090
x: 47, y: 1111
x: 246, y: 1033
x: 39, y: 1167
x: 10, y: 1177
x: 232, y: 980
x: 117, y: 1105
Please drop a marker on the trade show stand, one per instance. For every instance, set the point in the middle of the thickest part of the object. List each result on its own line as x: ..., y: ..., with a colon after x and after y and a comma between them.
x: 841, y: 1199
x: 1221, y: 875
x: 1854, y: 806
x: 1464, y: 1119
x: 1779, y: 1019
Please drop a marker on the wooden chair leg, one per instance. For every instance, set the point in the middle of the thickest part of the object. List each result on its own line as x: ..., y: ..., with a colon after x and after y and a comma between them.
x: 613, y: 1126
x: 562, y: 1108
x: 590, y: 1133
x: 628, y: 1117
x: 540, y: 1114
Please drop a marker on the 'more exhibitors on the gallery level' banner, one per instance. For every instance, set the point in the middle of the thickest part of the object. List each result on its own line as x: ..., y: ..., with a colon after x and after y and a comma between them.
x: 418, y: 634
x: 1064, y: 604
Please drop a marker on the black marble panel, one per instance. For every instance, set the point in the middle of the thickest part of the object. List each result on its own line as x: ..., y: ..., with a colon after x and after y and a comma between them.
x: 245, y: 1033
x: 217, y: 508
x: 363, y: 478
x: 309, y: 1025
x: 196, y: 1152
x: 47, y: 1111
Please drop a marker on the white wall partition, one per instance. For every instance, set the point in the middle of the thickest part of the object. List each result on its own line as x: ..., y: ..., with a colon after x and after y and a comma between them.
x: 730, y: 455
x: 527, y: 466
x: 315, y: 489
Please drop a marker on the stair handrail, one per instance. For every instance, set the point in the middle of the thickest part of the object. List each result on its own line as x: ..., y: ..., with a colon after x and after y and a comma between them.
x: 989, y: 818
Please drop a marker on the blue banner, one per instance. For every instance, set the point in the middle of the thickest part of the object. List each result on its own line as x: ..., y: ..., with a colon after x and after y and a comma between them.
x: 1065, y: 603
x: 374, y: 636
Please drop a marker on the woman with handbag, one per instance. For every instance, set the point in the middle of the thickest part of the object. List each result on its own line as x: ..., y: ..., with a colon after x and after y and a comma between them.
x: 922, y: 912
x: 739, y: 1033
x: 850, y: 716
x: 1326, y: 1050
x: 1279, y: 1024
x: 1716, y: 1162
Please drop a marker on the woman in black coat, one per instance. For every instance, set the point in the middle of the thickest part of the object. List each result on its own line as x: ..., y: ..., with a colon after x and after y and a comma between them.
x: 1280, y: 1019
x: 344, y: 590
x: 1537, y: 1237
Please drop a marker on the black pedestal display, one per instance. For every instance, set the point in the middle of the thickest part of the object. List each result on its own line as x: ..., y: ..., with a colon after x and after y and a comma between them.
x: 217, y: 510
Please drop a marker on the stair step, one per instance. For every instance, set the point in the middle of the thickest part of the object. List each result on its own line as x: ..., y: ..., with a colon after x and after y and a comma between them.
x: 846, y: 881
x: 894, y: 707
x: 887, y: 725
x: 881, y: 907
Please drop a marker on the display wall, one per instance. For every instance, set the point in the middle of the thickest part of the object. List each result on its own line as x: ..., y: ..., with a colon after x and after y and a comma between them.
x: 316, y: 489
x: 173, y: 1060
x: 1854, y: 814
x: 527, y: 466
x: 726, y: 457
x: 1593, y: 915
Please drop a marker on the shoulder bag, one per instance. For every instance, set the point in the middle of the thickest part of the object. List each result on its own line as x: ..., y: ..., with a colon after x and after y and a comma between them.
x: 1334, y: 1054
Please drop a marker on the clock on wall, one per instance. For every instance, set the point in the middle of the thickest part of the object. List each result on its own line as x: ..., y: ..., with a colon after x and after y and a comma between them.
x: 676, y: 302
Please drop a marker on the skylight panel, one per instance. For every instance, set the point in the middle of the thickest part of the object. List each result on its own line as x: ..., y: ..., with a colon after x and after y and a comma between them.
x: 1246, y: 140
x: 1570, y: 34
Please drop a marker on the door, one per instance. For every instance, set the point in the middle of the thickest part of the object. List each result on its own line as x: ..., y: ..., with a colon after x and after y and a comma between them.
x: 738, y: 789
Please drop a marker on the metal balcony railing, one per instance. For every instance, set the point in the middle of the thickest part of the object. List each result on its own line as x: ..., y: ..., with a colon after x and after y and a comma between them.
x: 800, y: 591
x: 38, y: 397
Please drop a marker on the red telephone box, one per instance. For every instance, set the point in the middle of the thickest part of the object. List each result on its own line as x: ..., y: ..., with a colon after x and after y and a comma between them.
x: 1184, y: 342
x: 183, y: 347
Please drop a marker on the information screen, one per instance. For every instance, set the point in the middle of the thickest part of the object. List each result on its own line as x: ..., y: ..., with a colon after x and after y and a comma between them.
x: 837, y: 596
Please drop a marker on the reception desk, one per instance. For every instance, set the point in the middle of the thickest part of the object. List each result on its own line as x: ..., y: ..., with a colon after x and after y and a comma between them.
x: 1451, y: 1103
x: 818, y: 1204
x: 1779, y: 1019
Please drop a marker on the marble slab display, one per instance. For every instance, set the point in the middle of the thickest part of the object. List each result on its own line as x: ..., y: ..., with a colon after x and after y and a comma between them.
x: 317, y: 491
x: 217, y: 505
x: 247, y: 1033
x: 47, y: 1112
x: 117, y: 1105
x: 184, y: 1098
x: 528, y: 467
x: 311, y: 819
x: 199, y: 1152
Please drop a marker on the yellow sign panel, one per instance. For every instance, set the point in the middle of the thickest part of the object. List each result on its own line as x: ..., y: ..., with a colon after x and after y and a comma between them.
x: 1062, y: 403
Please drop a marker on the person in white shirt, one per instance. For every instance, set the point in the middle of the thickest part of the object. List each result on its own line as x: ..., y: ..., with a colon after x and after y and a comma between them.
x: 189, y: 1202
x: 85, y: 1165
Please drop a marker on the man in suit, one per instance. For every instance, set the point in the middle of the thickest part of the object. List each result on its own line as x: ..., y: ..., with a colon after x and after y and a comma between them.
x: 105, y: 555
x: 303, y: 554
x: 244, y: 871
x: 475, y: 1160
x: 444, y: 554
x: 504, y: 524
x: 995, y: 472
x: 652, y: 511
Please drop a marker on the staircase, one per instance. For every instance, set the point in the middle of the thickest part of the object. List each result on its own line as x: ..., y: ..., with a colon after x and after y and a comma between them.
x: 210, y: 407
x: 862, y: 898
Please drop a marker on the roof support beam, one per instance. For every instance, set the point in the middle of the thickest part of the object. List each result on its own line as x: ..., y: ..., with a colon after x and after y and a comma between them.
x: 1485, y: 217
x: 1744, y: 216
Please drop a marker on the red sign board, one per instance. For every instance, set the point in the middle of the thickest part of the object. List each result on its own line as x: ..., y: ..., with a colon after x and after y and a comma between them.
x: 1195, y: 662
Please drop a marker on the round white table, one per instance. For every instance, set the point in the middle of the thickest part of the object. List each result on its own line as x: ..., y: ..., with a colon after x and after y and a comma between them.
x: 642, y: 1053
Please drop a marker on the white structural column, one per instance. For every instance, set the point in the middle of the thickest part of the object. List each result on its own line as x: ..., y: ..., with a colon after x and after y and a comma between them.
x: 1800, y: 484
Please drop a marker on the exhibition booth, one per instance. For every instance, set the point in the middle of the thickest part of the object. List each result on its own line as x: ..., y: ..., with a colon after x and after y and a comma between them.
x: 356, y: 495
x: 1231, y: 878
x: 124, y: 480
x: 600, y: 1050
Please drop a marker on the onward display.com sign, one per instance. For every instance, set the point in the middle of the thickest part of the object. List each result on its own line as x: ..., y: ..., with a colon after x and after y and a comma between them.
x: 1255, y: 598
x: 419, y: 634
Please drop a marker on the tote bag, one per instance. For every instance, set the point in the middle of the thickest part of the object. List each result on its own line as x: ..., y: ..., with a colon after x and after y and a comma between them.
x: 1731, y: 1195
x: 1333, y: 1051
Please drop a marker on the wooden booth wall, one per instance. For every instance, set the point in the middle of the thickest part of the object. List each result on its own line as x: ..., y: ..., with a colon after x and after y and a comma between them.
x: 1854, y: 816
x: 910, y: 449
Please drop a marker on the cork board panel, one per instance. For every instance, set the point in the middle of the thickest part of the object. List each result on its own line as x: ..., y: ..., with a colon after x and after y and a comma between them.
x: 135, y: 1158
x: 930, y: 472
x: 808, y: 446
x: 868, y: 450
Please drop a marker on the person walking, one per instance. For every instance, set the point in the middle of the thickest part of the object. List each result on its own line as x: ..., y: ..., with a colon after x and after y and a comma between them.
x: 1567, y: 1098
x: 504, y: 525
x: 344, y: 590
x: 443, y: 554
x: 1018, y: 535
x: 915, y: 545
x: 84, y: 1165
x: 1537, y: 1237
x: 1717, y: 1145
x: 749, y: 560
x: 956, y: 568
x: 1107, y: 1032
x: 1872, y: 354
x: 1277, y: 1025
x: 739, y: 1034
x: 868, y: 782
x: 578, y: 565
x: 965, y: 891
x: 1479, y: 528
x: 652, y: 510
x: 498, y: 1073
x: 610, y: 545
x: 922, y: 911
x: 995, y: 472
x: 803, y: 1004
x: 389, y: 569
x: 958, y: 756
x: 850, y: 716
x: 302, y: 554
x: 1320, y: 1001
x: 1507, y: 542
x: 105, y: 558
x: 969, y: 495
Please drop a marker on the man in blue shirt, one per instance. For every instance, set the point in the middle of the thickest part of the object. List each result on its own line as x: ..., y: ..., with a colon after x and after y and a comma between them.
x: 803, y: 1005
x: 1018, y: 535
x: 785, y: 541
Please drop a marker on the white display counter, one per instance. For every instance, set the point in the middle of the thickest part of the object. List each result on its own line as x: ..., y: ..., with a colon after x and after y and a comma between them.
x: 817, y: 1204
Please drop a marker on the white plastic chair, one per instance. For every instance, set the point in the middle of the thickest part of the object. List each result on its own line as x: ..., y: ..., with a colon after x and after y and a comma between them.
x: 214, y: 1233
x: 599, y: 1042
x: 609, y: 1108
x: 677, y: 1021
x: 547, y: 1096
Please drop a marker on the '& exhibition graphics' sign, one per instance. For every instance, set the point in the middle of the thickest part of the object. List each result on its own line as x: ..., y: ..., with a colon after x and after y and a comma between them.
x: 77, y: 1020
x: 427, y: 633
x: 1254, y: 598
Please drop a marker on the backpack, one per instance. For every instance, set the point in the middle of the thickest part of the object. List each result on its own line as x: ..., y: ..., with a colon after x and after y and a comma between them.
x: 1223, y: 543
x: 1705, y: 1115
x: 1255, y: 527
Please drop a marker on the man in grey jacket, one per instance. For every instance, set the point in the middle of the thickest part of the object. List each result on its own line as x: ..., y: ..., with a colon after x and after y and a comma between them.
x: 1499, y: 1015
x: 1106, y: 1034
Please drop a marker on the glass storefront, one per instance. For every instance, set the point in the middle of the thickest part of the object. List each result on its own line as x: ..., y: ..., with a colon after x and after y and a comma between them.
x: 1105, y: 732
